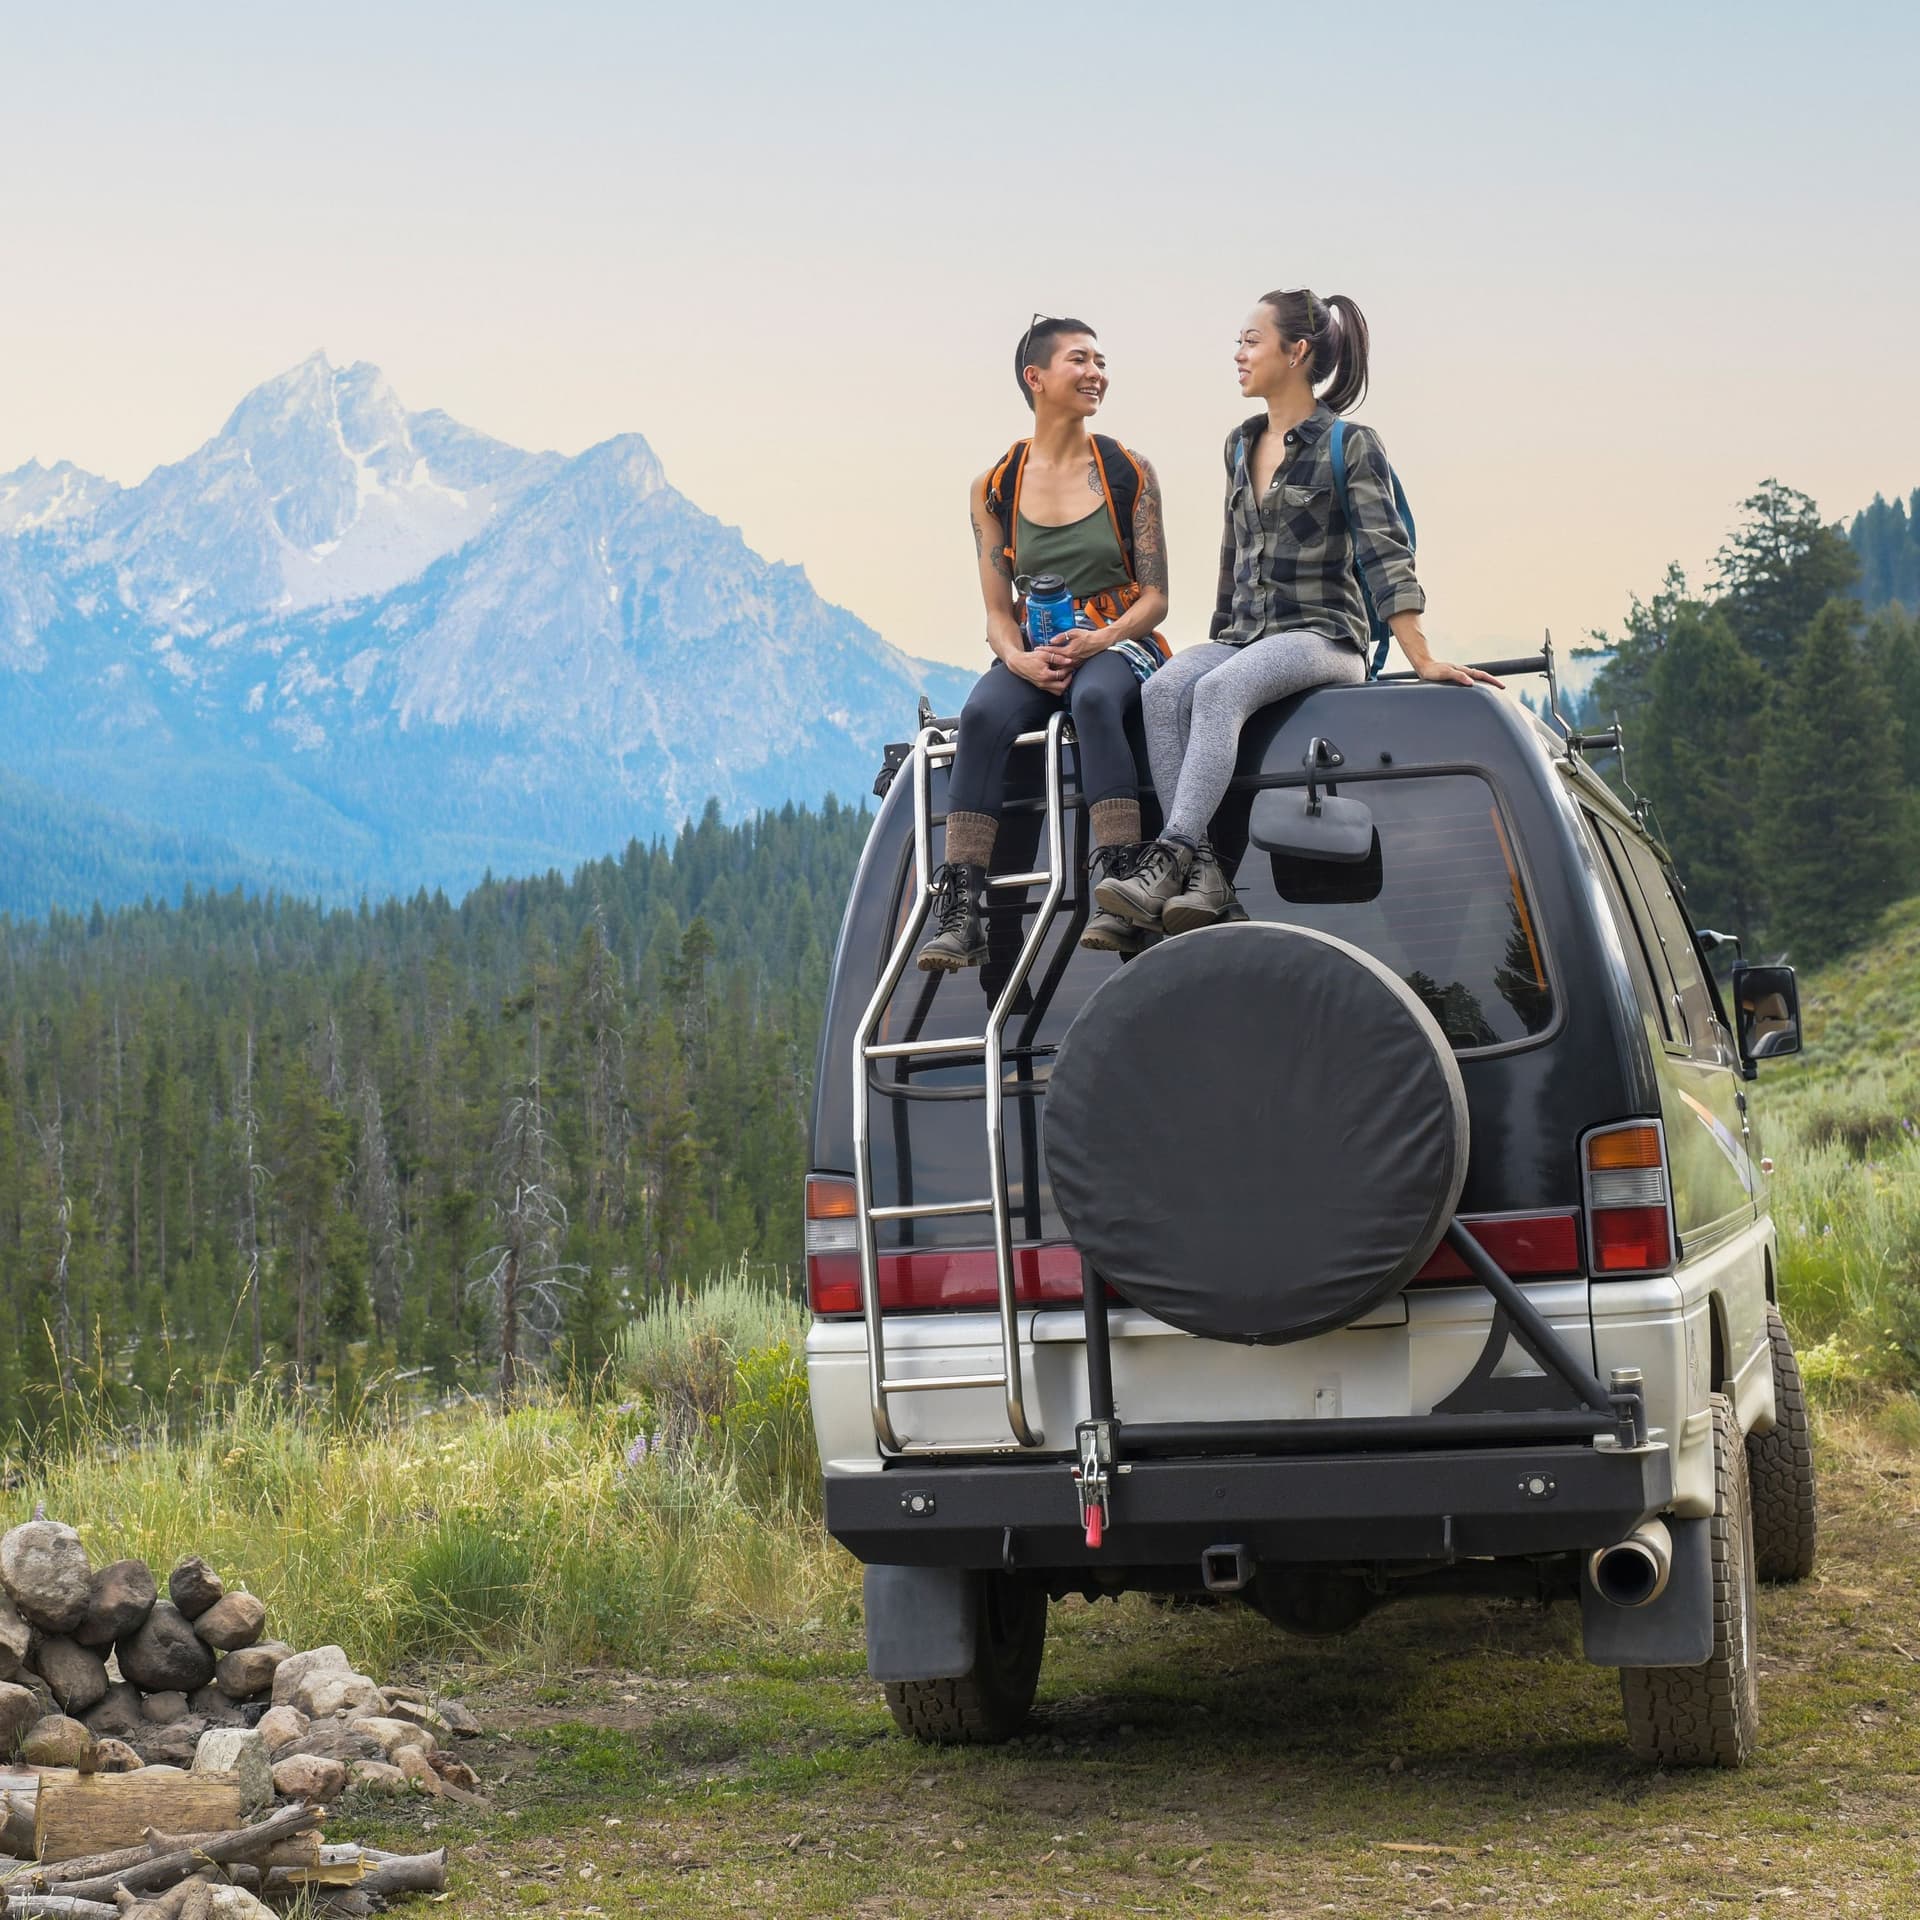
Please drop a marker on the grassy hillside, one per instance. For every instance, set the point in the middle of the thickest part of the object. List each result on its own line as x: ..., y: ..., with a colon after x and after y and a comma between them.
x: 1843, y: 1126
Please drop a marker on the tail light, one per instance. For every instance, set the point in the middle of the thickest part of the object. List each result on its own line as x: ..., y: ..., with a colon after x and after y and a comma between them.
x: 920, y: 1277
x: 833, y: 1245
x: 1629, y: 1203
x: 1527, y: 1246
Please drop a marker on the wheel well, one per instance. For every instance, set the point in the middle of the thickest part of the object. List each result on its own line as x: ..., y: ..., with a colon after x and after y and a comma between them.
x: 1717, y: 1364
x: 1773, y: 1285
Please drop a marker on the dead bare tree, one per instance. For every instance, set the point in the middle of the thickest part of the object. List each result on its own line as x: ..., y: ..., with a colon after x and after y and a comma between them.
x: 253, y: 1175
x: 522, y: 1276
x: 53, y: 1150
x: 377, y: 1192
x: 608, y: 1114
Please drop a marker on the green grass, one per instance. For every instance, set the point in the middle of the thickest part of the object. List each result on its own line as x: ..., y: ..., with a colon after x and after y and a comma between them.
x: 1446, y: 1757
x: 667, y: 1526
x: 641, y: 1601
x: 1842, y: 1123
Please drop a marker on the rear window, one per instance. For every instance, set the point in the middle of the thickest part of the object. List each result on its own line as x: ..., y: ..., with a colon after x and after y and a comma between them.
x: 1440, y: 901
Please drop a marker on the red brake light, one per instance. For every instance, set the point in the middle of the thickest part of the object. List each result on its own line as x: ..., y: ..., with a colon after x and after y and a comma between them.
x: 1534, y: 1246
x: 1629, y: 1220
x: 1631, y: 1240
x: 921, y: 1278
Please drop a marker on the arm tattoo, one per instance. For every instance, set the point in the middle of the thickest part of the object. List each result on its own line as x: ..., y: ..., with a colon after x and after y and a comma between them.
x: 986, y: 539
x: 1149, y: 536
x: 1093, y: 479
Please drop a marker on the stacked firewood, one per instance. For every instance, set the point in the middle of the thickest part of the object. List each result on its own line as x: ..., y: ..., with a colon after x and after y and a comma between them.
x: 143, y: 1736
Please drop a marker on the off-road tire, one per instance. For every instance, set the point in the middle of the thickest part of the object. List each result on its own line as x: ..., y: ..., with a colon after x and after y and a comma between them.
x: 1786, y: 1517
x: 989, y: 1703
x: 1709, y: 1716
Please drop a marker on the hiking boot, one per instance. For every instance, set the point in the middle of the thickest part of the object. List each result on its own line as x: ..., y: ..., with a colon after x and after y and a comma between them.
x: 1143, y: 878
x: 1207, y: 897
x: 1107, y: 932
x: 962, y: 939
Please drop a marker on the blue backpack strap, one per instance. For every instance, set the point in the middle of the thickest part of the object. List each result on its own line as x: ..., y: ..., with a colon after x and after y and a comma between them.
x: 1378, y: 628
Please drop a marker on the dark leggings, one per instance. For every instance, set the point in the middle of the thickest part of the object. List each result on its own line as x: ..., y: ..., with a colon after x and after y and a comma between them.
x: 1104, y: 698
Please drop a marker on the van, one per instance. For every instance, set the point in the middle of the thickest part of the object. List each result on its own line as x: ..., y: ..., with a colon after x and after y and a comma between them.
x: 1410, y: 1237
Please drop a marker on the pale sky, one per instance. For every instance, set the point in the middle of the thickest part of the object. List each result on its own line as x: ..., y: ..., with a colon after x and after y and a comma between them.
x: 1621, y: 263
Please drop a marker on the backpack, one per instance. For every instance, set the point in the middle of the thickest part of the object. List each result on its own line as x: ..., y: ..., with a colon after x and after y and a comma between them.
x: 1121, y: 483
x: 1377, y: 628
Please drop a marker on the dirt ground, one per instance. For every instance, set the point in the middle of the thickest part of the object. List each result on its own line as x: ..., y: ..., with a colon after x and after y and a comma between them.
x: 1448, y: 1757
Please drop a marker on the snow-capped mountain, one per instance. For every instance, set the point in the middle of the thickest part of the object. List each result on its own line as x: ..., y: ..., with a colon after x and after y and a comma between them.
x: 34, y: 497
x: 320, y: 488
x: 396, y: 650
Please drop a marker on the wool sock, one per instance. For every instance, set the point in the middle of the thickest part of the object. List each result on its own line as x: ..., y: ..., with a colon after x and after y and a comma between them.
x: 1116, y: 823
x: 970, y: 838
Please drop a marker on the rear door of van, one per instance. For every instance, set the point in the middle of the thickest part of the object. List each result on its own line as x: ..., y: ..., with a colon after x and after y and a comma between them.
x: 1444, y: 900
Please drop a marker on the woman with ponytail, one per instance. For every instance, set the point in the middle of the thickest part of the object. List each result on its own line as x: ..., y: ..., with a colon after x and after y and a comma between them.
x: 1289, y: 613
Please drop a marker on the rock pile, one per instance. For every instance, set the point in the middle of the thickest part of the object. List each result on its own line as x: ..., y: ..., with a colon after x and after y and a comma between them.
x: 101, y: 1671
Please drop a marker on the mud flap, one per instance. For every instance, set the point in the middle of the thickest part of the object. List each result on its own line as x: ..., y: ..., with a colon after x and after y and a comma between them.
x: 922, y: 1622
x: 1675, y: 1630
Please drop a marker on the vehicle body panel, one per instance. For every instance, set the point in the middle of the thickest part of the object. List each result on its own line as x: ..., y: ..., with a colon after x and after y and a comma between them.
x: 1602, y: 1058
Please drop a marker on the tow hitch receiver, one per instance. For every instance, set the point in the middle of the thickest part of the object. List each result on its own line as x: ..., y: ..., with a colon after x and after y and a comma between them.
x: 1092, y: 1476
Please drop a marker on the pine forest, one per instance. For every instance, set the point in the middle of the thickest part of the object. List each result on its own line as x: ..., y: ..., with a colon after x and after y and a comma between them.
x: 419, y: 1139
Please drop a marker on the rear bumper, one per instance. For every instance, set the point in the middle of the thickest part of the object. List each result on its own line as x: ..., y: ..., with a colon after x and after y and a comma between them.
x: 1468, y: 1503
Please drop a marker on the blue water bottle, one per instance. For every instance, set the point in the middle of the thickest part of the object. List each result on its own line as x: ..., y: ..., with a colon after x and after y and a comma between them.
x: 1050, y: 615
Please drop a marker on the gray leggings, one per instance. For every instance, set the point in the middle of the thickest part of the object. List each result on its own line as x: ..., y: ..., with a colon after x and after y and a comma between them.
x: 1197, y: 703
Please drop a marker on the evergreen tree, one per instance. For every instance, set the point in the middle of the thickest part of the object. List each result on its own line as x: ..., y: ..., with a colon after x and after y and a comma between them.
x: 1887, y: 540
x: 1830, y: 821
x: 1624, y: 683
x: 1700, y: 749
x: 1778, y: 568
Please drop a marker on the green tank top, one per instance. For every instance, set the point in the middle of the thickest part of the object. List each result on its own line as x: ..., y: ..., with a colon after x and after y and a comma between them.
x: 1085, y: 553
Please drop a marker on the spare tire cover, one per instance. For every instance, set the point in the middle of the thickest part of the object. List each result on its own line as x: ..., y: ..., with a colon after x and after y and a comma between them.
x: 1256, y: 1132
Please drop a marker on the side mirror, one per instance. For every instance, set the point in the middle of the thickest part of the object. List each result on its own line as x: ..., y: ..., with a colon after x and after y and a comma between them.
x: 1767, y: 1006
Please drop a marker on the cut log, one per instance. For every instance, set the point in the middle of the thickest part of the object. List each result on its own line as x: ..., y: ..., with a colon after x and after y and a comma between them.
x: 16, y: 1818
x: 73, y: 1817
x: 19, y: 1793
x: 302, y: 1850
x: 187, y: 1901
x: 38, y: 1876
x: 57, y: 1906
x: 244, y: 1843
x: 345, y: 1866
x: 392, y: 1873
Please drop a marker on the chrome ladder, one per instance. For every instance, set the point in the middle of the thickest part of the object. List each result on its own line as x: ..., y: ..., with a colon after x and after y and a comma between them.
x: 936, y: 745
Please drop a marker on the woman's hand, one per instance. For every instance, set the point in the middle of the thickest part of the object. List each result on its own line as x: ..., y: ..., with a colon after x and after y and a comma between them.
x: 1413, y: 643
x: 1432, y: 669
x: 1048, y: 668
x: 1083, y: 643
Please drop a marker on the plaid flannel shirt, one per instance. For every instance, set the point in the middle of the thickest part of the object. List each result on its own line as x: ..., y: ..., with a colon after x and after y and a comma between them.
x: 1287, y: 560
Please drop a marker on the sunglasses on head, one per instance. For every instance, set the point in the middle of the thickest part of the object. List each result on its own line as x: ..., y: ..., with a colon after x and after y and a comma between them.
x: 1026, y: 339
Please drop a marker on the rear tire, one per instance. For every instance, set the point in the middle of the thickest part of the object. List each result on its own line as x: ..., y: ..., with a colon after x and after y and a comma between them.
x: 988, y: 1703
x: 1709, y: 1716
x: 1786, y: 1517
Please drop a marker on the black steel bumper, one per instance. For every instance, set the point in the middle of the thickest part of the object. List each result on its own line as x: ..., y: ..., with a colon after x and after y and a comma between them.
x: 1465, y: 1503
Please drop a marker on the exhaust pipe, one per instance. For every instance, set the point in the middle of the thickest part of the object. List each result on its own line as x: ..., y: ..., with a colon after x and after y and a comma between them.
x: 1634, y: 1570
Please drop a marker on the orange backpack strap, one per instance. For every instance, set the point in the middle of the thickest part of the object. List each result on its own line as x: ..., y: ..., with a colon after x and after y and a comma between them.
x: 1003, y: 494
x: 1121, y: 481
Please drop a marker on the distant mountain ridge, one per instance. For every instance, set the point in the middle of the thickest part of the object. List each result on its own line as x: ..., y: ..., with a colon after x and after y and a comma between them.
x: 348, y: 639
